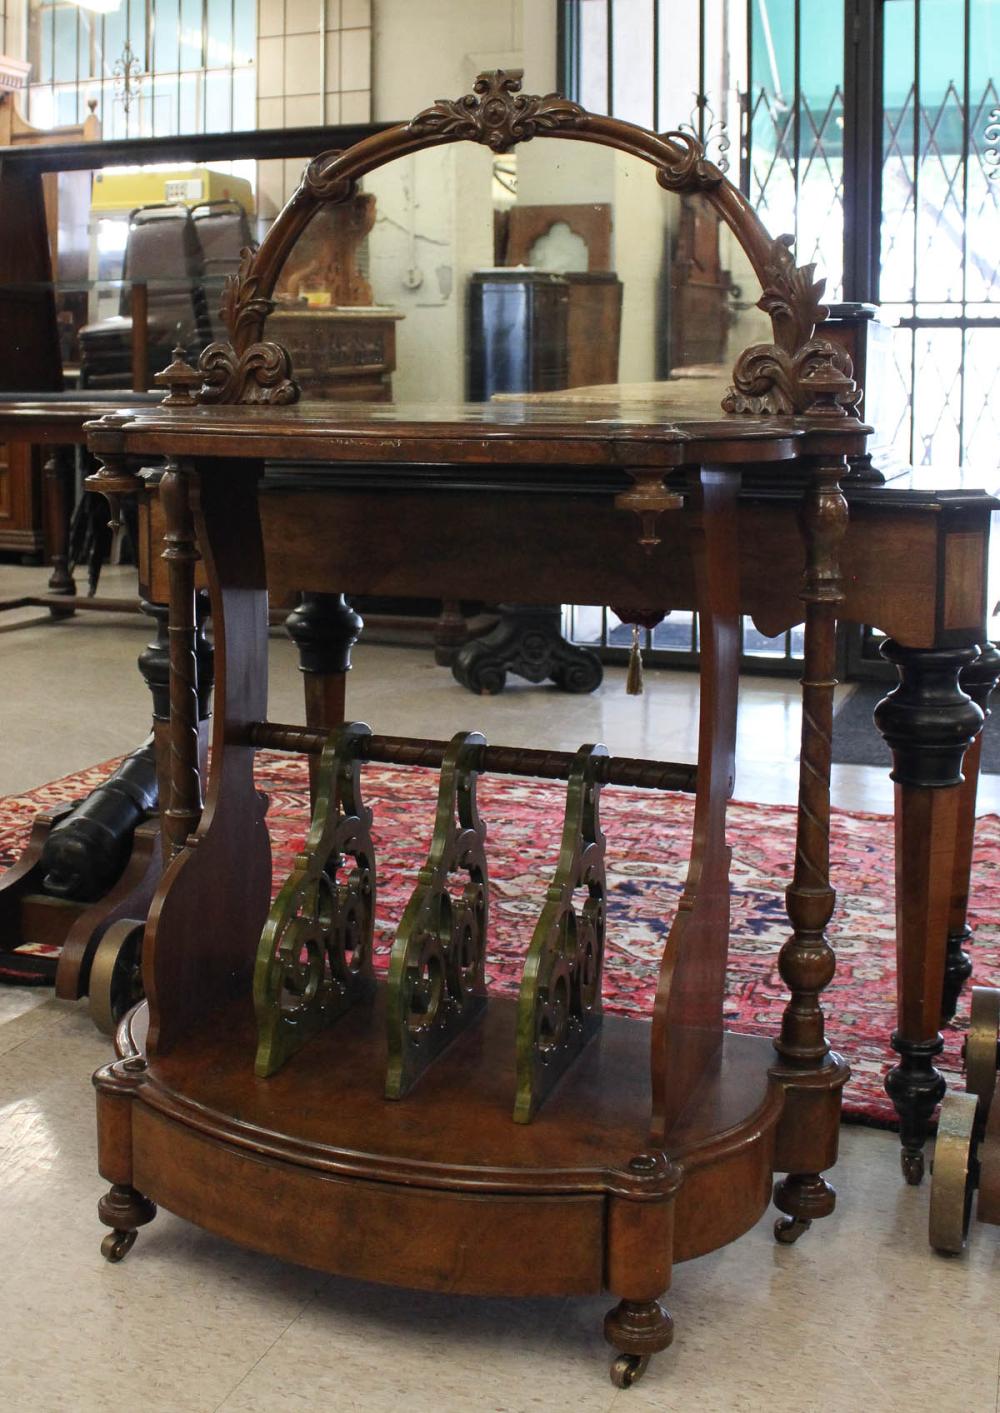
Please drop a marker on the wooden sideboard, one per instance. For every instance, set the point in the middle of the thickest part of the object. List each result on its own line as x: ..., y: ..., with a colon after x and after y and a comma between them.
x: 340, y: 355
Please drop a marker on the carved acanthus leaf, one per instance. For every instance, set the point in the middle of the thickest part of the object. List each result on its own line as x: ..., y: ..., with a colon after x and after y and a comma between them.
x: 691, y: 171
x: 244, y: 307
x: 792, y: 297
x: 816, y: 378
x: 497, y: 113
x: 260, y: 375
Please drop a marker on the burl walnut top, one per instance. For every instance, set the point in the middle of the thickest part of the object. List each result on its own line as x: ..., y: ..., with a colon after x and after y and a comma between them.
x: 491, y: 434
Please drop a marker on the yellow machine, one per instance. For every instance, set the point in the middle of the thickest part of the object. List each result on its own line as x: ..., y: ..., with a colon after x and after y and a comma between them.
x: 122, y: 189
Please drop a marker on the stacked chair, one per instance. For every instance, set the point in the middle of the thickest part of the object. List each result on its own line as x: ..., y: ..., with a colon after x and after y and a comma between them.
x: 183, y: 256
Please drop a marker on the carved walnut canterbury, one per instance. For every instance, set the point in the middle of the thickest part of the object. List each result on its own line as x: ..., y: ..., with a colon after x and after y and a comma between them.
x: 797, y: 373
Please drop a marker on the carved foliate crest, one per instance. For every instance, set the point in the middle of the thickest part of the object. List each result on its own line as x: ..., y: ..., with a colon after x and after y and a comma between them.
x: 260, y: 375
x: 797, y: 373
x: 497, y: 113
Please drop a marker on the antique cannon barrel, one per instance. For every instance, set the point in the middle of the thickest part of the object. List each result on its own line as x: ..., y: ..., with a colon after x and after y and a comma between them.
x: 501, y: 760
x: 86, y: 852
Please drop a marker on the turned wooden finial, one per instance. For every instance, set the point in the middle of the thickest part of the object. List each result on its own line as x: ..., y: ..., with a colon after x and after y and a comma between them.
x: 180, y: 380
x: 648, y: 498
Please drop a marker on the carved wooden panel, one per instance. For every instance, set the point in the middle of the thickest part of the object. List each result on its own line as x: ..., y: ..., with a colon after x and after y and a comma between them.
x: 591, y: 222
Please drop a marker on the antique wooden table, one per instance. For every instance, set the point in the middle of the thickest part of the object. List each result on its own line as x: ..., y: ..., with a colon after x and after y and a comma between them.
x: 410, y: 1129
x: 914, y: 557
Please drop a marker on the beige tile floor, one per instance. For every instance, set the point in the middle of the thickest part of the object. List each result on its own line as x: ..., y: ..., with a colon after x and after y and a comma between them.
x: 859, y: 1315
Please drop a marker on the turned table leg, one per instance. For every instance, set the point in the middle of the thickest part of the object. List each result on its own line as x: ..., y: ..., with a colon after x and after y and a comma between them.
x: 810, y: 1072
x: 154, y: 665
x: 978, y: 680
x: 184, y: 801
x: 57, y: 481
x: 324, y: 628
x: 928, y: 722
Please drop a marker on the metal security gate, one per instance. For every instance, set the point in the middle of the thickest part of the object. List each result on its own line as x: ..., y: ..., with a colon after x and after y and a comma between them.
x: 869, y: 129
x: 939, y: 240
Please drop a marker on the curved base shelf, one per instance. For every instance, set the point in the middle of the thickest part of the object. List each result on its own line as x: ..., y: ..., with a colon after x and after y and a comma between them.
x: 315, y: 1166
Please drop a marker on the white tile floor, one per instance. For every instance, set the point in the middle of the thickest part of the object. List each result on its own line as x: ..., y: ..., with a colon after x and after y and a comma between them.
x: 860, y: 1314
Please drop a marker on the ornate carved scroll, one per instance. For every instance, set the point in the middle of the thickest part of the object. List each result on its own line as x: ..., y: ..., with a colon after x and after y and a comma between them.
x: 314, y: 960
x: 796, y: 373
x: 497, y: 113
x: 559, y: 1008
x: 437, y: 986
x: 261, y: 375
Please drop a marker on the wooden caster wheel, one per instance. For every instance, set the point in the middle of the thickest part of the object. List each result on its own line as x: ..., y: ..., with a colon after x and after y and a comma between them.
x: 117, y: 1244
x: 627, y: 1369
x: 912, y: 1165
x: 953, y: 1183
x: 982, y: 1044
x: 787, y: 1230
x: 116, y: 974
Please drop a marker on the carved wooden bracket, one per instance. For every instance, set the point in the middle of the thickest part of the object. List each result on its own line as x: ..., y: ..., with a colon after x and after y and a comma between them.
x: 798, y: 372
x: 261, y: 374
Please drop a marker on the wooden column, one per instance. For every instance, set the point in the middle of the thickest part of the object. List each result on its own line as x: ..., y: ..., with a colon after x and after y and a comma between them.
x: 928, y: 722
x: 183, y: 812
x: 57, y: 483
x: 806, y: 961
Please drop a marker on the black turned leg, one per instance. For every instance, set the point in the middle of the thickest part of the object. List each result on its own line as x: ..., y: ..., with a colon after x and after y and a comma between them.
x: 928, y: 723
x: 528, y: 640
x: 324, y: 628
x: 978, y: 680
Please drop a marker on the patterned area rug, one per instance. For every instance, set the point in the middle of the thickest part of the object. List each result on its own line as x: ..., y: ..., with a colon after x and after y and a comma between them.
x: 648, y: 840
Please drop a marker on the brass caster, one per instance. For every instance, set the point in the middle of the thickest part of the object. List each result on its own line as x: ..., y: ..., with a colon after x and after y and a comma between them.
x: 912, y: 1165
x: 787, y: 1230
x: 117, y: 1244
x: 116, y: 974
x: 982, y: 1044
x: 627, y: 1369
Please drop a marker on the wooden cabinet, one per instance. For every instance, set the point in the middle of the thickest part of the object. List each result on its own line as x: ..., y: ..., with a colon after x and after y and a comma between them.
x: 20, y: 500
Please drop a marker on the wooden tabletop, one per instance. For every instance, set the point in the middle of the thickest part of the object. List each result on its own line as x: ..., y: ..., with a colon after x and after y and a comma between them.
x: 509, y: 433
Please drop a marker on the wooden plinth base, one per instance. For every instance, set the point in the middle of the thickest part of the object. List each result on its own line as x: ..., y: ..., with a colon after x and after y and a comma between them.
x: 442, y: 1190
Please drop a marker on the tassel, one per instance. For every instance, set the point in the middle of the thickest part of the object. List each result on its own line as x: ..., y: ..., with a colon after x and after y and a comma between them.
x: 633, y: 681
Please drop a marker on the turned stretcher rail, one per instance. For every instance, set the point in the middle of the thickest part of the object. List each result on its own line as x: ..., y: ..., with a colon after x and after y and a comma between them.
x: 500, y: 760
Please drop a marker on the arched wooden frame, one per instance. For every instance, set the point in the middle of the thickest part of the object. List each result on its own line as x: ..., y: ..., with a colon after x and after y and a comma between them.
x: 797, y: 373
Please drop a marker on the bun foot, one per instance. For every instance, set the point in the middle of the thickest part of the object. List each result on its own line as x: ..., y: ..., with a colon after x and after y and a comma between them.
x: 117, y: 1244
x: 787, y: 1230
x: 912, y: 1164
x: 637, y: 1329
x: 628, y: 1368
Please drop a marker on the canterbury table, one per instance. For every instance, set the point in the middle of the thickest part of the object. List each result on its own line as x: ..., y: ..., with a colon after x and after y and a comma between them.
x: 410, y: 1129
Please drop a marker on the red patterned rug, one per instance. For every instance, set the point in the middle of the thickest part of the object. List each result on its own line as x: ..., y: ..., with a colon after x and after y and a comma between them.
x: 648, y: 840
